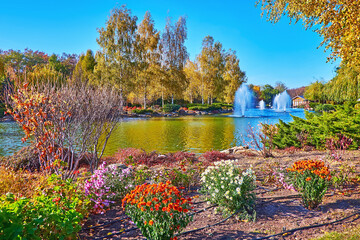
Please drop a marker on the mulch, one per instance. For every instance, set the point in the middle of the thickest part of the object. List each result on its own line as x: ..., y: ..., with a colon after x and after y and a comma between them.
x: 278, y: 210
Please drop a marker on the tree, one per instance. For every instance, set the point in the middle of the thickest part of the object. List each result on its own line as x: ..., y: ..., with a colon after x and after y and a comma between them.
x: 212, y: 62
x: 174, y: 56
x: 116, y: 58
x: 315, y: 91
x: 84, y: 67
x: 335, y: 20
x: 280, y: 86
x: 193, y: 76
x: 41, y: 74
x: 66, y: 124
x: 256, y: 89
x: 268, y: 93
x: 233, y: 76
x: 345, y: 86
x: 148, y: 56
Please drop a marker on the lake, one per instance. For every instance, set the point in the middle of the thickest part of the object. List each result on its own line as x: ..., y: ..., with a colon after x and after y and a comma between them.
x: 196, y: 134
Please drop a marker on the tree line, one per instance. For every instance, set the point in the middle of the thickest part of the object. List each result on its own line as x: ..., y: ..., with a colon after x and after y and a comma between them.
x: 145, y: 65
x: 344, y: 87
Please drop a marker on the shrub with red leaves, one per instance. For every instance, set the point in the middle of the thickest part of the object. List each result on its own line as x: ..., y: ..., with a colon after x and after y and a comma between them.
x: 123, y: 154
x: 137, y: 156
x: 213, y: 156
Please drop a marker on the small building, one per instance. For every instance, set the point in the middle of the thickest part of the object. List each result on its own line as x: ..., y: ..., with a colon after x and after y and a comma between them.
x: 299, y: 101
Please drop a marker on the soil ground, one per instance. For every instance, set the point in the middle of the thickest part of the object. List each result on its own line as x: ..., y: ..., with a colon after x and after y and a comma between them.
x: 277, y: 209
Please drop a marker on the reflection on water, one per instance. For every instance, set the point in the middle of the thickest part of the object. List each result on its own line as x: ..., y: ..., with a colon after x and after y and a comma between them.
x: 10, y: 138
x: 191, y: 133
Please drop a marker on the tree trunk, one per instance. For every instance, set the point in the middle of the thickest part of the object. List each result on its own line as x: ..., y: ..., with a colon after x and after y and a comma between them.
x: 202, y: 91
x: 172, y: 99
x: 145, y: 98
x: 162, y: 96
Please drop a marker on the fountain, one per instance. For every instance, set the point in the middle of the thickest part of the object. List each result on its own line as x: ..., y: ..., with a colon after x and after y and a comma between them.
x: 282, y: 101
x: 244, y: 99
x: 262, y: 105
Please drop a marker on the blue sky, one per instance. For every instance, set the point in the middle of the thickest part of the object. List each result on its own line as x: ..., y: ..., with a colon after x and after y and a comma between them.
x: 268, y: 52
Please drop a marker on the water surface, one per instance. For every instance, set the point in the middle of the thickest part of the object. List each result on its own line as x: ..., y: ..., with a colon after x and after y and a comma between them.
x: 190, y: 133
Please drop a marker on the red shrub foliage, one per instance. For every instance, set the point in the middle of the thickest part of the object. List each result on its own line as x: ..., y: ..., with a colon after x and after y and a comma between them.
x: 213, y: 156
x: 137, y: 156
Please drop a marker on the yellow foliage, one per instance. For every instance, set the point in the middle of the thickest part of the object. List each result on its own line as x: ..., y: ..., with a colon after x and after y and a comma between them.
x: 20, y: 183
x: 337, y: 21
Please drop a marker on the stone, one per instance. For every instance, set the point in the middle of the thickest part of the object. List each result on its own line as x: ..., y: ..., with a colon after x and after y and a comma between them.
x: 118, y: 166
x: 182, y: 112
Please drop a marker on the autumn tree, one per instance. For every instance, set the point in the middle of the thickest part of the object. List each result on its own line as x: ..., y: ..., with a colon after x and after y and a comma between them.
x: 194, y: 78
x: 212, y: 64
x: 336, y: 21
x: 280, y: 86
x: 148, y: 57
x: 256, y: 89
x: 233, y: 76
x: 116, y: 60
x: 174, y: 56
x: 41, y: 74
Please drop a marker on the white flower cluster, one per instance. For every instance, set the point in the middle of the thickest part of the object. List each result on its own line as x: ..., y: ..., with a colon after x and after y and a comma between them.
x: 229, y: 187
x: 224, y: 179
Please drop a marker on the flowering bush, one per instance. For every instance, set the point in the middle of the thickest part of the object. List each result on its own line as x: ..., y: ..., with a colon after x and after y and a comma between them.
x: 230, y: 189
x: 337, y: 146
x: 283, y: 179
x: 311, y: 178
x: 158, y: 210
x: 97, y: 190
x: 120, y: 181
x: 108, y: 184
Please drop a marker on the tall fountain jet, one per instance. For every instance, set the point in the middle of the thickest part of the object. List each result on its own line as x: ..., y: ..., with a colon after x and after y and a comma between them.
x: 244, y: 99
x: 282, y: 101
x: 262, y: 105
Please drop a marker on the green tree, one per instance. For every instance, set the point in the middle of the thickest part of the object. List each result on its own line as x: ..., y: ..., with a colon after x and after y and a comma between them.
x: 345, y: 86
x: 84, y: 67
x: 268, y: 93
x: 315, y: 91
x: 117, y: 58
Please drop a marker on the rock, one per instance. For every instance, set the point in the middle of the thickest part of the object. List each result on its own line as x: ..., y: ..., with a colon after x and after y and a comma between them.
x: 118, y: 166
x: 182, y: 112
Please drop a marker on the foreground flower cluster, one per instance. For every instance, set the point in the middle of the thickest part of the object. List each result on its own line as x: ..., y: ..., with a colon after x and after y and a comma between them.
x: 106, y: 185
x: 158, y: 210
x: 229, y: 188
x: 311, y: 178
x: 316, y: 167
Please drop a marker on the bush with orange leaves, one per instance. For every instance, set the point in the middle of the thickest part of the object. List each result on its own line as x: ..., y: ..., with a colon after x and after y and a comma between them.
x: 66, y: 124
x: 158, y: 210
x: 311, y: 178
